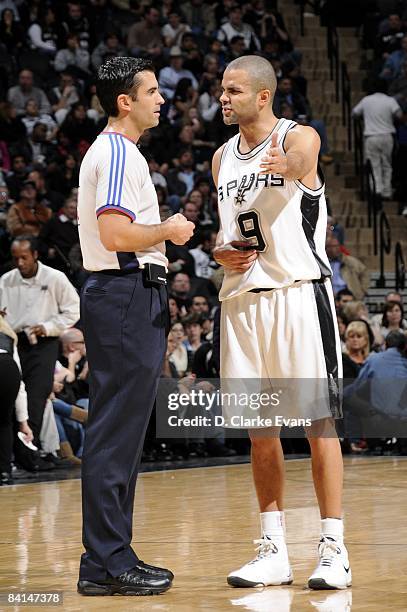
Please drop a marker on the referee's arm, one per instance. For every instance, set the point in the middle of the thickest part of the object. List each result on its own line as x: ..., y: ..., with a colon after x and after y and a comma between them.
x: 118, y: 233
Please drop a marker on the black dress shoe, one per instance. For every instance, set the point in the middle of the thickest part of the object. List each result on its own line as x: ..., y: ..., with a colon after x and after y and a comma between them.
x: 6, y: 479
x: 132, y: 582
x: 152, y: 570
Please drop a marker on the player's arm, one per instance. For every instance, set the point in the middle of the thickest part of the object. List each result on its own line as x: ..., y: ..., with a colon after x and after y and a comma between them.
x: 302, y: 145
x: 118, y: 233
x: 227, y: 255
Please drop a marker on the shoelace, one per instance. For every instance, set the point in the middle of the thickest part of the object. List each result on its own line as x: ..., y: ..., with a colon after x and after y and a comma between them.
x: 264, y: 549
x: 327, y: 550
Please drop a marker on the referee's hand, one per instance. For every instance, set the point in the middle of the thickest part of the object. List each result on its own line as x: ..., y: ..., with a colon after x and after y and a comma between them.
x: 179, y: 229
x: 234, y: 258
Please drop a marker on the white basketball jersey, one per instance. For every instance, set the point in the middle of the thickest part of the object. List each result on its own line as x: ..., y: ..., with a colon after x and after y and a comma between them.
x: 285, y: 221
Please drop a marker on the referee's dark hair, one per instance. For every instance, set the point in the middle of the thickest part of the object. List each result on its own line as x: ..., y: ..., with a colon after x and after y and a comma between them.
x: 119, y: 75
x: 32, y: 240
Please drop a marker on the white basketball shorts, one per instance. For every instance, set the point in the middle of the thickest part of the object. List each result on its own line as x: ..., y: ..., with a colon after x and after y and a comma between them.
x: 291, y: 334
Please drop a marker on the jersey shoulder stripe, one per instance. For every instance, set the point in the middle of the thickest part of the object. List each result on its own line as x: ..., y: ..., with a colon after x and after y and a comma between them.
x: 116, y: 172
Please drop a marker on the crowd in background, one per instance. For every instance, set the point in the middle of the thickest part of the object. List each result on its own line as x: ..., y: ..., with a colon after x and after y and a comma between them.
x: 384, y: 110
x: 50, y: 115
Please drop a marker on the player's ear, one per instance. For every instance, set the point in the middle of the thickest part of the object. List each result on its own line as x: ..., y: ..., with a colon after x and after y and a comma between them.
x: 123, y: 103
x: 264, y: 97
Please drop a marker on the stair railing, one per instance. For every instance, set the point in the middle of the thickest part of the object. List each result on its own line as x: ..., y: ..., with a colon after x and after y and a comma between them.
x: 346, y: 102
x: 333, y: 55
x: 385, y: 246
x: 358, y: 154
x: 400, y: 268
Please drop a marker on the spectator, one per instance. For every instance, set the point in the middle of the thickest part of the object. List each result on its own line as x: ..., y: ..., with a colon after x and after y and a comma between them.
x: 199, y: 16
x: 179, y: 357
x: 343, y: 297
x: 44, y: 32
x: 27, y: 216
x: 38, y: 150
x: 72, y: 57
x: 11, y: 33
x: 355, y: 310
x: 202, y: 254
x: 45, y: 196
x: 181, y: 180
x: 40, y: 303
x: 73, y: 358
x: 170, y: 76
x: 174, y: 311
x: 398, y: 88
x: 235, y: 26
x: 63, y: 96
x: 12, y: 129
x: 13, y: 398
x: 389, y: 40
x: 393, y: 318
x: 193, y: 330
x: 286, y: 94
x: 185, y: 97
x: 200, y: 305
x: 10, y: 5
x: 380, y: 388
x: 110, y: 46
x: 17, y: 176
x: 60, y: 234
x: 24, y: 91
x: 348, y: 272
x: 173, y: 31
x: 393, y: 66
x: 32, y: 116
x: 358, y: 338
x: 379, y: 112
x: 144, y: 38
x: 391, y: 296
x: 236, y: 48
x: 79, y: 127
x: 77, y: 23
x: 181, y: 290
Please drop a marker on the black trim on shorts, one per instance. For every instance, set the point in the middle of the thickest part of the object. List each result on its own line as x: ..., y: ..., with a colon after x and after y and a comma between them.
x: 328, y: 337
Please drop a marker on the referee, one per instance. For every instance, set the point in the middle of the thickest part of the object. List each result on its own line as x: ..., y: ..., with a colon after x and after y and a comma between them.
x: 124, y: 316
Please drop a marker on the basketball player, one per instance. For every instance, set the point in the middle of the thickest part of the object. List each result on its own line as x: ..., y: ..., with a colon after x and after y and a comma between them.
x: 124, y: 316
x: 277, y: 311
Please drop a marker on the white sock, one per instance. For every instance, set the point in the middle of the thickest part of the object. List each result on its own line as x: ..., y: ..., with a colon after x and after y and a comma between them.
x: 273, y: 524
x: 333, y: 528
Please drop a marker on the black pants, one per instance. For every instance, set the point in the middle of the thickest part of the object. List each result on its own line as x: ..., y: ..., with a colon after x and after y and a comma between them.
x: 124, y: 324
x: 38, y: 365
x: 9, y: 385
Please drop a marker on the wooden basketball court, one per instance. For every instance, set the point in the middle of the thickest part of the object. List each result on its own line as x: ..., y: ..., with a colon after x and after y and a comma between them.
x: 200, y: 523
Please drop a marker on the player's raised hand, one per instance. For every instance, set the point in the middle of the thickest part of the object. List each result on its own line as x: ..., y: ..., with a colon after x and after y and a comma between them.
x: 236, y: 256
x: 179, y: 229
x: 274, y: 162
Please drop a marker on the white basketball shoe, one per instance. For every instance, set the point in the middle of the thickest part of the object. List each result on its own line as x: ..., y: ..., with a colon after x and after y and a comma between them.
x: 270, y: 567
x: 333, y: 570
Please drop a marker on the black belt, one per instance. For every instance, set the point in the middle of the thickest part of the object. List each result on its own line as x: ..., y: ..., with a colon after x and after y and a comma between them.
x: 152, y: 273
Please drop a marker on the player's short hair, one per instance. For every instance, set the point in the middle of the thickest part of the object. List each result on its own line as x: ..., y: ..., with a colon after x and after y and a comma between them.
x: 259, y: 69
x: 119, y: 75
